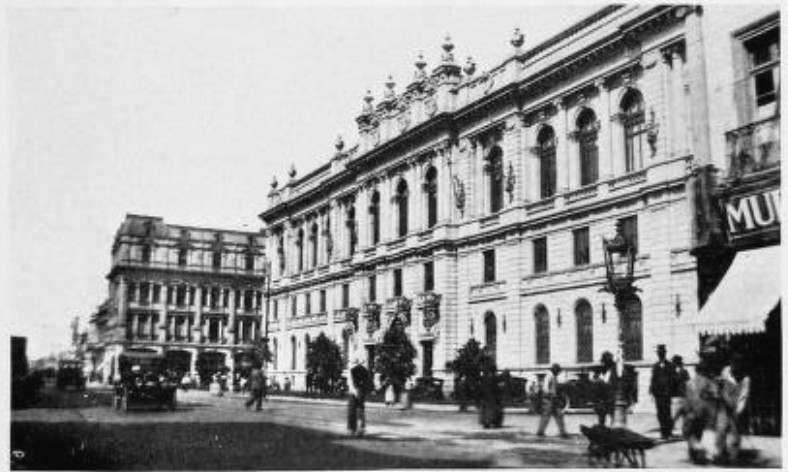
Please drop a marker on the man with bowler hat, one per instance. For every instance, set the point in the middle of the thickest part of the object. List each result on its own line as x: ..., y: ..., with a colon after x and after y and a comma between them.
x: 662, y: 385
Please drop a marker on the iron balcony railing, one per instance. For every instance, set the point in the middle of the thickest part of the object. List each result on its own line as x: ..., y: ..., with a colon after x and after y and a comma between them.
x: 754, y: 147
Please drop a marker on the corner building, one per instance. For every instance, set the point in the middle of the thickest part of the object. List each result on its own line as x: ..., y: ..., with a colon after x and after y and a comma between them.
x: 475, y: 203
x: 192, y: 294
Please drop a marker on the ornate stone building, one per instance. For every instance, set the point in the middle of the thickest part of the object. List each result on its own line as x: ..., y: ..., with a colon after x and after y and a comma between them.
x: 475, y: 203
x: 194, y: 294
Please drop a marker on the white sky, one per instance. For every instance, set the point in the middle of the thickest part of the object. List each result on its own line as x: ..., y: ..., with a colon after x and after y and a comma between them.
x: 187, y: 112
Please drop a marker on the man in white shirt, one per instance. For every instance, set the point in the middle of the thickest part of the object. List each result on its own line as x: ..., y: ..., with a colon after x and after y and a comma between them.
x: 553, y: 402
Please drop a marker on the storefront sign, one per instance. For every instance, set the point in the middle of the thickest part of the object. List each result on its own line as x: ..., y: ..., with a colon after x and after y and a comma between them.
x: 753, y: 213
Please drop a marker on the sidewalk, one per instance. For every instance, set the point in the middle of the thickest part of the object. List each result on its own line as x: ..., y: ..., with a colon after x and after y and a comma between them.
x: 522, y: 424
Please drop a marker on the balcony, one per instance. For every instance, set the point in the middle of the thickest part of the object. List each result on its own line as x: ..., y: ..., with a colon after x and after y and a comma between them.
x: 753, y: 148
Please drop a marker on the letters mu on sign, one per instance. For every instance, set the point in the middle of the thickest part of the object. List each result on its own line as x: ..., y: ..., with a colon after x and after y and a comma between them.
x: 753, y: 213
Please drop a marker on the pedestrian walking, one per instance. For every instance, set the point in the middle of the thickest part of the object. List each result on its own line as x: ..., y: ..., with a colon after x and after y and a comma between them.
x: 680, y: 378
x: 604, y: 385
x: 661, y: 388
x: 553, y: 401
x: 390, y: 396
x: 491, y: 414
x: 734, y: 386
x: 256, y: 387
x: 359, y: 387
x: 700, y: 409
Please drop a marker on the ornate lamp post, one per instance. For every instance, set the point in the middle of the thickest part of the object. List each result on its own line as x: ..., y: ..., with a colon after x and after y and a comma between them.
x: 619, y: 267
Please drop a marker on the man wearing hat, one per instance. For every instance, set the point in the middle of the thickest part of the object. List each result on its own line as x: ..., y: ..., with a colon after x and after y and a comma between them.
x: 359, y: 387
x: 553, y: 402
x: 662, y: 386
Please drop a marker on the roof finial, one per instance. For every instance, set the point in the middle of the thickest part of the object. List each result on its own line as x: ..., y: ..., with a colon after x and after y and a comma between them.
x: 274, y: 183
x: 339, y: 144
x: 389, y: 93
x: 518, y: 39
x: 292, y: 172
x: 368, y: 99
x: 420, y: 65
x: 448, y: 46
x: 470, y: 67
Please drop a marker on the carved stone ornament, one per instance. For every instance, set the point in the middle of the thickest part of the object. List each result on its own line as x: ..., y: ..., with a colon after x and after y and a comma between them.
x: 431, y: 309
x: 653, y: 134
x: 402, y: 310
x: 430, y: 106
x: 329, y: 244
x: 404, y: 120
x: 351, y: 317
x: 459, y: 193
x: 372, y: 317
x: 510, y: 181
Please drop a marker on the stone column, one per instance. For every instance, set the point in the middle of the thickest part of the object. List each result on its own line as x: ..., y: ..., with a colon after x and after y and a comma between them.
x: 678, y: 103
x: 233, y: 307
x: 475, y: 193
x: 617, y: 156
x: 573, y: 164
x: 193, y: 360
x: 445, y: 193
x: 562, y: 149
x: 387, y: 210
x: 605, y: 152
x: 698, y: 100
x: 123, y: 306
x: 198, y: 314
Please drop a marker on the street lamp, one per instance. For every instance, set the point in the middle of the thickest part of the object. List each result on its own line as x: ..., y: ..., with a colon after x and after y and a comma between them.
x: 620, y: 268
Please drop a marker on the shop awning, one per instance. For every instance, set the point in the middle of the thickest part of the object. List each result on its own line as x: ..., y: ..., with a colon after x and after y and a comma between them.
x: 746, y: 295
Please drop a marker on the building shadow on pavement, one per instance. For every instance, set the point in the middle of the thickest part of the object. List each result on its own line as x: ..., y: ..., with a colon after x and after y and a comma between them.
x: 200, y: 446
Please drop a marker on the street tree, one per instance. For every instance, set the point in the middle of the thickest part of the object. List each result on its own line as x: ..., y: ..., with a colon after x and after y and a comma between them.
x: 467, y: 367
x: 324, y: 363
x: 395, y: 359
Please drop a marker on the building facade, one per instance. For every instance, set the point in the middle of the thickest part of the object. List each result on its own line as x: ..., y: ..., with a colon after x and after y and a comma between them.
x: 475, y: 204
x: 737, y: 209
x: 193, y: 294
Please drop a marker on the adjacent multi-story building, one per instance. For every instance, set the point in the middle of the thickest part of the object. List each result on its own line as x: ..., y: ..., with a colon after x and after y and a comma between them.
x: 737, y: 205
x: 475, y: 205
x: 193, y: 294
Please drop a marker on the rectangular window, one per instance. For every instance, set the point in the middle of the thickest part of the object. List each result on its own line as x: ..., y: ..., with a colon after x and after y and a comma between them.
x: 132, y: 288
x: 182, y: 257
x: 180, y: 295
x: 156, y: 293
x: 146, y: 252
x: 372, y: 295
x: 217, y: 260
x: 276, y: 310
x: 226, y: 298
x: 764, y: 54
x: 629, y: 229
x: 581, y: 244
x: 144, y: 287
x: 215, y: 294
x: 258, y: 300
x: 429, y: 276
x: 540, y: 255
x: 192, y: 295
x: 322, y: 301
x: 294, y: 306
x: 170, y: 295
x: 489, y: 265
x: 345, y: 295
x: 308, y: 303
x: 250, y: 262
x: 248, y: 300
x: 397, y: 282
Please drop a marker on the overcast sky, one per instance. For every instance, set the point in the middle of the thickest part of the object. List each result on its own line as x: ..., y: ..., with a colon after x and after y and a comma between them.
x: 187, y: 112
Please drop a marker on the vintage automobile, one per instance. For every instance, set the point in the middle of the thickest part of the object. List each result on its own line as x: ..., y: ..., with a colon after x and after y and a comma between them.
x: 144, y: 381
x: 69, y: 374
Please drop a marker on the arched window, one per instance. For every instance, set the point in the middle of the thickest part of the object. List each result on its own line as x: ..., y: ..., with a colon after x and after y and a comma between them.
x: 351, y: 228
x: 632, y: 328
x: 491, y: 334
x: 293, y: 352
x: 546, y: 150
x: 587, y: 142
x: 584, y: 324
x: 300, y: 244
x: 313, y: 240
x: 542, y: 322
x: 402, y: 208
x: 374, y: 217
x: 633, y: 118
x: 494, y: 168
x: 431, y: 189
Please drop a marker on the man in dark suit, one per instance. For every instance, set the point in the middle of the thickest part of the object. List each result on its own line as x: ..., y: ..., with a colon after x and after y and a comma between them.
x: 360, y: 386
x: 662, y: 386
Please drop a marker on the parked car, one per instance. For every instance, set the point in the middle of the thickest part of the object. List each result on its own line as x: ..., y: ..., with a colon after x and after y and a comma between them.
x: 144, y: 381
x: 69, y: 374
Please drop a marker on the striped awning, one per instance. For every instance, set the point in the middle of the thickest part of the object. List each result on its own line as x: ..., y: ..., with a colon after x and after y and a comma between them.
x: 746, y: 295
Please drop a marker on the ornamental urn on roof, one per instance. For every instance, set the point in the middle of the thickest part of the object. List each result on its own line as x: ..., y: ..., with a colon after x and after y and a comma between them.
x: 292, y: 172
x: 470, y: 67
x: 389, y: 93
x: 448, y: 46
x: 518, y: 39
x: 368, y: 99
x: 339, y: 144
x: 420, y: 65
x: 274, y: 183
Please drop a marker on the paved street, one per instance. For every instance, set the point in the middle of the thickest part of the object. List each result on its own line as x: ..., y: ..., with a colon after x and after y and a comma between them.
x: 206, y: 432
